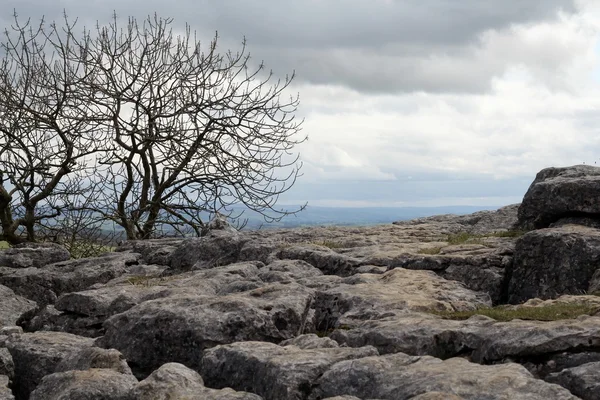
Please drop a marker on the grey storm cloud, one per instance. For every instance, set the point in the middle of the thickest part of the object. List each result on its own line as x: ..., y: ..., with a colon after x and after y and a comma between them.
x: 369, y: 46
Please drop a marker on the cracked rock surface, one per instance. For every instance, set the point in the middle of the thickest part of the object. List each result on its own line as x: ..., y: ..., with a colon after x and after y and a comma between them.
x: 341, y: 313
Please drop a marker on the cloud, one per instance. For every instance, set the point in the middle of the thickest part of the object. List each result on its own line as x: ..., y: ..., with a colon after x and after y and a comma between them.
x: 370, y: 46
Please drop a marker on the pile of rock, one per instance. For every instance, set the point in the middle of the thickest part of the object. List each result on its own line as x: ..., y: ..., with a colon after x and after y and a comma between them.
x: 315, y: 313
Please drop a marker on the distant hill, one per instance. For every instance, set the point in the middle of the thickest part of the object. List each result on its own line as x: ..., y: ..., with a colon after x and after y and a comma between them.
x: 345, y: 216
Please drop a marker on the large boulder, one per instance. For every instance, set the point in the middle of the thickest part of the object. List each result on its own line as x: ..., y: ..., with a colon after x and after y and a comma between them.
x: 559, y: 193
x: 219, y: 247
x: 176, y: 381
x: 371, y: 296
x: 272, y: 371
x: 36, y: 355
x: 36, y: 255
x: 481, y: 222
x: 153, y: 251
x: 399, y: 376
x: 481, y: 339
x: 582, y: 381
x: 91, y: 384
x: 554, y: 261
x: 5, y: 392
x: 180, y: 327
x: 46, y: 283
x: 12, y: 306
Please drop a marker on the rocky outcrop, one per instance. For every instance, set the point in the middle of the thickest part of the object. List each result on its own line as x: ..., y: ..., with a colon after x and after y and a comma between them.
x: 46, y: 283
x: 324, y: 312
x: 36, y: 355
x: 558, y: 193
x: 5, y: 392
x: 481, y: 222
x: 178, y: 328
x: 554, y: 261
x: 582, y: 381
x: 175, y: 381
x: 88, y: 384
x: 13, y: 306
x: 271, y: 371
x: 34, y: 255
x: 399, y: 376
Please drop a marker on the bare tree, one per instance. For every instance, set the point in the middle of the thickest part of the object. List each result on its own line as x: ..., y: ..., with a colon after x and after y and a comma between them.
x: 46, y: 128
x: 163, y: 130
x: 195, y: 130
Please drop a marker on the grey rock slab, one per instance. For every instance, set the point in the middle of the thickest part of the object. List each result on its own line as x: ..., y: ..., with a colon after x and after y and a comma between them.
x: 556, y: 193
x: 12, y: 306
x: 45, y: 284
x: 37, y: 354
x: 481, y: 222
x: 288, y: 270
x: 47, y: 318
x: 272, y: 371
x: 482, y: 339
x: 94, y: 357
x: 219, y: 247
x: 5, y: 392
x: 323, y: 258
x: 582, y: 381
x: 369, y: 296
x: 554, y: 261
x: 176, y: 381
x: 399, y: 376
x: 36, y: 255
x: 153, y: 251
x: 310, y: 341
x: 7, y: 366
x: 179, y: 328
x: 91, y: 384
x: 480, y: 270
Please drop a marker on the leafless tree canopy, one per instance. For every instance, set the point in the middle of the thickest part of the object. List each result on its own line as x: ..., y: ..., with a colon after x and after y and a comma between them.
x: 140, y: 126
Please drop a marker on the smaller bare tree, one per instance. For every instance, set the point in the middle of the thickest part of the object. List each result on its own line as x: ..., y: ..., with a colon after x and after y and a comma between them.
x: 47, y: 129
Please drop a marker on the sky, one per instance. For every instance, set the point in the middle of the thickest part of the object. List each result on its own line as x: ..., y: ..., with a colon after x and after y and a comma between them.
x: 409, y: 102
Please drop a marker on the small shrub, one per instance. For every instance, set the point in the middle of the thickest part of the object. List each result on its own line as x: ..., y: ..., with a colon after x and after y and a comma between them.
x: 553, y: 312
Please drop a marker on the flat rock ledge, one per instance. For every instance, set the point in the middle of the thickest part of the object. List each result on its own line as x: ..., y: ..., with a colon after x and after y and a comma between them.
x: 346, y: 313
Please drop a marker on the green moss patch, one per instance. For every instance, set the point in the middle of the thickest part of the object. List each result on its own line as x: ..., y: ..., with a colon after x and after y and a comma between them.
x: 553, y: 312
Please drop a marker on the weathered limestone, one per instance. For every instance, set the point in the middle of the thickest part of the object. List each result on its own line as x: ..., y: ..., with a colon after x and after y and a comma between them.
x: 12, y: 306
x: 399, y: 376
x: 559, y: 193
x: 176, y: 381
x: 46, y: 283
x: 179, y: 328
x: 5, y: 392
x: 582, y: 381
x: 550, y: 262
x: 35, y: 255
x: 219, y: 247
x: 480, y: 338
x: 36, y: 355
x: 370, y: 296
x: 274, y: 372
x: 83, y: 385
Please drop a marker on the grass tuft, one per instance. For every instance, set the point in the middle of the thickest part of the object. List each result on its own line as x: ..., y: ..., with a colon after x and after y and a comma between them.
x: 330, y: 243
x: 553, y: 312
x: 430, y: 250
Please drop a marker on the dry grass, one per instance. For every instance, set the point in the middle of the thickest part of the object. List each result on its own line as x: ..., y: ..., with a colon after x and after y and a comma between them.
x: 553, y: 312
